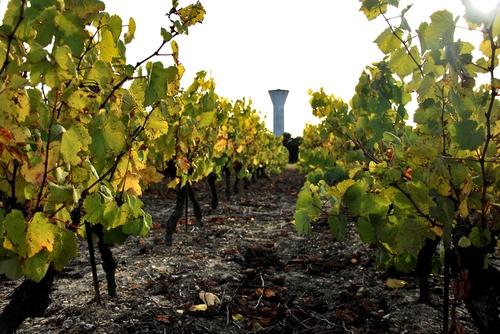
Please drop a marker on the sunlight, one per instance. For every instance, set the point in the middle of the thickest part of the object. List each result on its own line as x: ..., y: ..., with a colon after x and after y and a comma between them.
x: 485, y: 6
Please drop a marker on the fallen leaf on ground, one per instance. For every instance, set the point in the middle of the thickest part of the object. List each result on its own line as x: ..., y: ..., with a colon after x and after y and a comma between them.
x: 163, y: 318
x: 395, y: 283
x: 209, y: 298
x: 198, y: 308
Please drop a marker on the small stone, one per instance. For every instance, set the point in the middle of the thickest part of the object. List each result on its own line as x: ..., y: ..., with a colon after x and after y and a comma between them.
x: 88, y: 327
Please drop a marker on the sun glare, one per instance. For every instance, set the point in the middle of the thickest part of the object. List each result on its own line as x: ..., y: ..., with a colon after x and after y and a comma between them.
x: 486, y: 6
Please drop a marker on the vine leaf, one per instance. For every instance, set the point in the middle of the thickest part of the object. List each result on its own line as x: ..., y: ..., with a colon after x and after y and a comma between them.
x: 15, y: 233
x: 40, y: 235
x: 467, y: 134
x: 387, y: 42
x: 74, y: 140
x: 130, y: 34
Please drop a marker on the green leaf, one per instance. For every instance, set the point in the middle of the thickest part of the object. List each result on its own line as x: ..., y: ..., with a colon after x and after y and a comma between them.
x: 464, y: 242
x: 167, y: 37
x: 115, y: 26
x: 134, y: 205
x: 114, y: 216
x: 366, y: 230
x: 354, y: 197
x: 11, y: 15
x: 70, y: 31
x: 101, y: 73
x: 308, y: 208
x: 36, y: 266
x: 45, y: 27
x: 156, y: 126
x: 85, y: 9
x: 11, y: 268
x: 410, y: 237
x: 93, y: 208
x: 138, y: 226
x: 65, y: 248
x: 373, y: 8
x: 37, y: 54
x: 115, y: 237
x: 206, y: 119
x: 60, y: 194
x: 108, y: 136
x: 15, y: 233
x: 63, y: 58
x: 74, y: 140
x: 129, y: 35
x: 302, y: 221
x: 338, y: 226
x: 496, y: 26
x: 157, y: 85
x: 467, y: 134
x: 401, y: 63
x: 387, y: 41
x: 439, y: 32
x: 480, y: 237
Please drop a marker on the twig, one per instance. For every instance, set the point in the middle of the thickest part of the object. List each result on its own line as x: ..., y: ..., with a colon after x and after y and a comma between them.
x: 295, y: 317
x: 47, y: 150
x: 420, y: 68
x: 482, y: 160
x: 10, y: 37
x: 415, y: 205
x: 262, y: 293
x: 137, y: 65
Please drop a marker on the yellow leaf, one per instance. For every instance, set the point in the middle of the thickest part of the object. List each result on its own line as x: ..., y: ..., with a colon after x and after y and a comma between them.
x: 485, y: 48
x: 150, y: 175
x: 198, y: 308
x: 108, y: 47
x: 463, y: 208
x: 237, y: 317
x: 54, y: 153
x: 183, y: 164
x: 444, y: 189
x: 175, y: 50
x: 132, y: 184
x: 20, y: 134
x: 33, y: 175
x: 7, y: 244
x: 40, y: 235
x: 209, y: 298
x: 240, y: 149
x: 220, y: 145
x: 438, y: 231
x: 192, y: 14
x: 395, y: 283
x: 173, y: 183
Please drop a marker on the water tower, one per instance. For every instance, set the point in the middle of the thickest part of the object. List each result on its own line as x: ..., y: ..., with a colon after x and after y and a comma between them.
x: 278, y: 96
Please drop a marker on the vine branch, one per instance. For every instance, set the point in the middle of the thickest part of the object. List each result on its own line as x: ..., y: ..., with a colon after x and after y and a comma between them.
x: 10, y: 37
x: 405, y: 45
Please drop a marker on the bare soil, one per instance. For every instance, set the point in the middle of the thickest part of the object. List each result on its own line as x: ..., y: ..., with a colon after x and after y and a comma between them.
x: 268, y: 279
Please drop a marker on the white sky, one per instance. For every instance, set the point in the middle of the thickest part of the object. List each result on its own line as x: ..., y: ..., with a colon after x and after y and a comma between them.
x: 251, y: 46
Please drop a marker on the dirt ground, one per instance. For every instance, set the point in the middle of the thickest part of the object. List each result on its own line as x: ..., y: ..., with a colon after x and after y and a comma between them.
x: 248, y: 261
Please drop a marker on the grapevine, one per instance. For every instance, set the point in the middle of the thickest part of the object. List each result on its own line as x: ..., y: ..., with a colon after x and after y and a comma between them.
x: 71, y: 155
x: 83, y: 134
x: 415, y: 190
